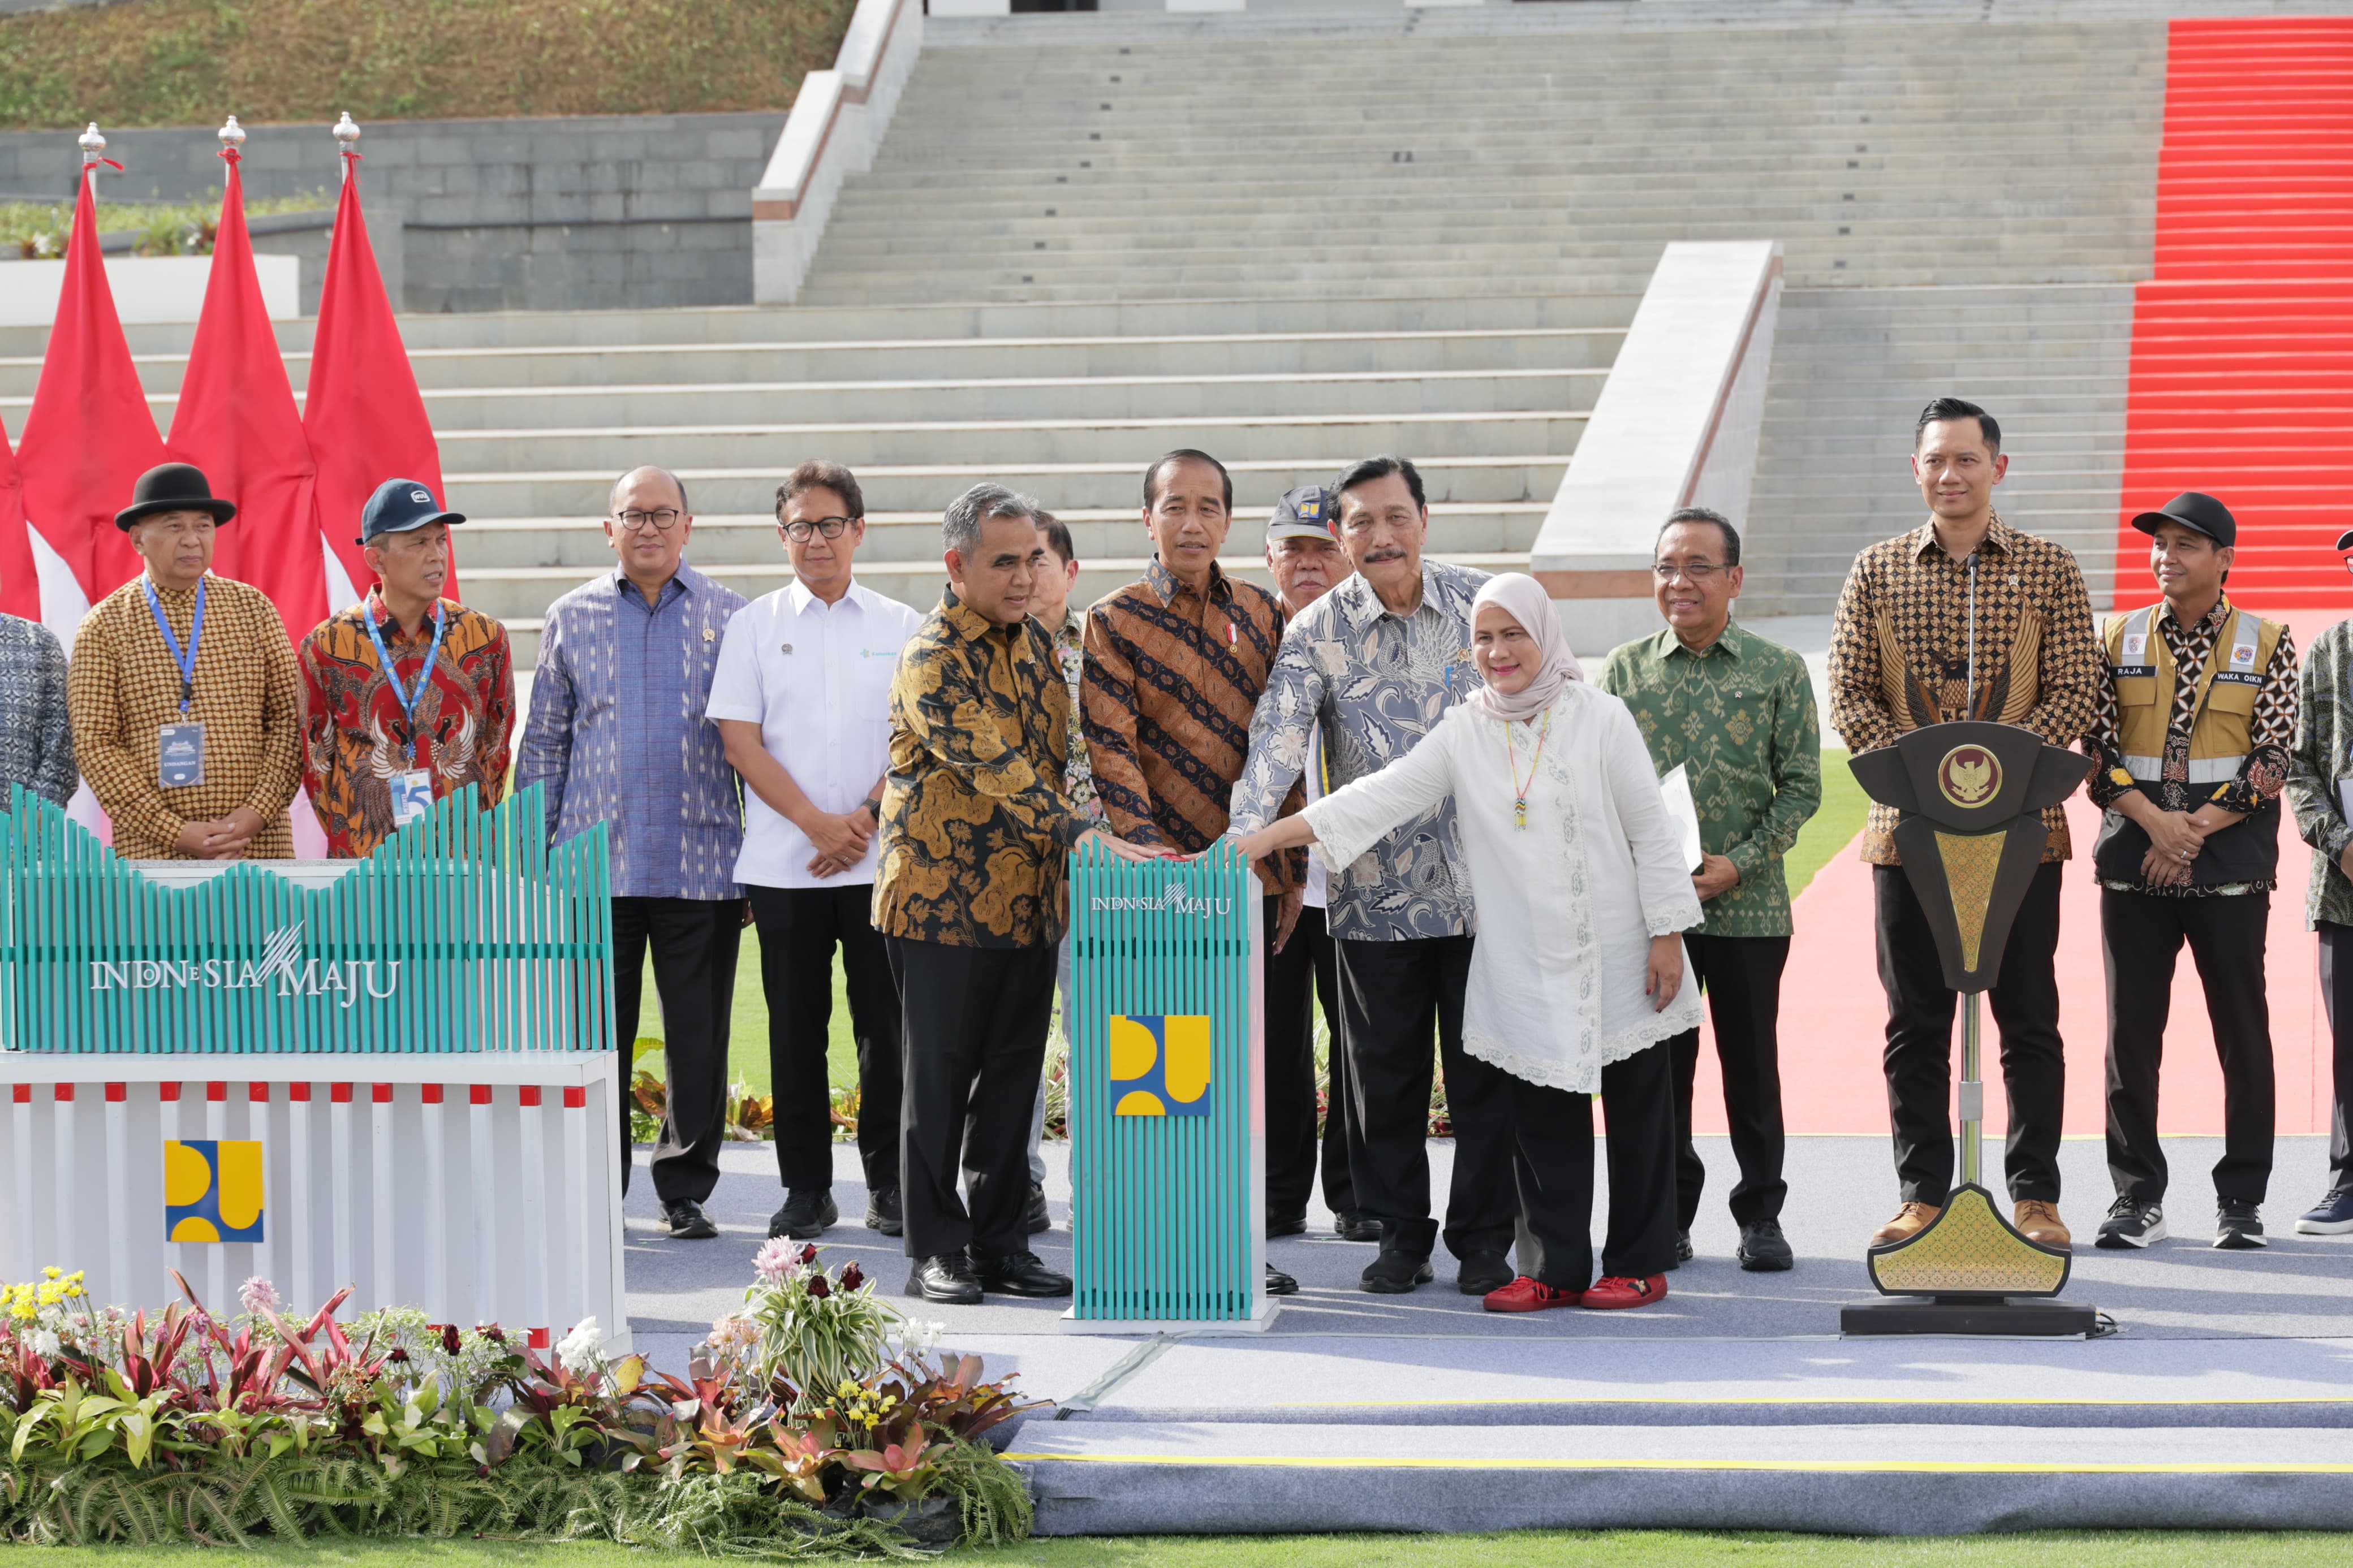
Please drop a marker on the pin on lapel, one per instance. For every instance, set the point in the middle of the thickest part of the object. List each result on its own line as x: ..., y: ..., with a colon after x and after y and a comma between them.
x: 707, y: 636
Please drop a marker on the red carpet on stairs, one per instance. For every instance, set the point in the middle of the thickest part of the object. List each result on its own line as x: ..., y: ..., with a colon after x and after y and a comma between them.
x: 2241, y: 385
x: 2242, y: 380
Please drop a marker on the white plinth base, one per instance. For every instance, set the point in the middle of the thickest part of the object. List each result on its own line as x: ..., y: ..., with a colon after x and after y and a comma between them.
x: 1261, y: 1318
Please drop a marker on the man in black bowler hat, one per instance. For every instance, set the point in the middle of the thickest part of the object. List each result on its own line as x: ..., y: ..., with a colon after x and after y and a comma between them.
x: 2190, y: 735
x: 185, y: 702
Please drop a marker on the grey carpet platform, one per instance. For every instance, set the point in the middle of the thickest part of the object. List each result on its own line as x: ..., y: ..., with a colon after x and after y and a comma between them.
x: 2223, y: 1399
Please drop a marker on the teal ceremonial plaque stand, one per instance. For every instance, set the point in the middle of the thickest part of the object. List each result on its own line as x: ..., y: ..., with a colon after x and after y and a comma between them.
x: 1167, y: 1096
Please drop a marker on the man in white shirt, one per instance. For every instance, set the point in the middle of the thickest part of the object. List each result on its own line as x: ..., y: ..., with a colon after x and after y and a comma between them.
x: 1305, y: 558
x: 802, y: 700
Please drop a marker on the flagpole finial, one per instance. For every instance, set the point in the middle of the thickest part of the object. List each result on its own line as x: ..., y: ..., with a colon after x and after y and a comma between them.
x: 232, y: 135
x: 92, y: 145
x: 347, y: 132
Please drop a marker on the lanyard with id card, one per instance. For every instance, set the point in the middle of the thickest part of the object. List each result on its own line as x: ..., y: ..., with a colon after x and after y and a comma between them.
x: 412, y: 789
x: 179, y: 748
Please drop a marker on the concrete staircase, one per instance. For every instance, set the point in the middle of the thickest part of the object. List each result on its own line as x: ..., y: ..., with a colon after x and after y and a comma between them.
x: 537, y: 414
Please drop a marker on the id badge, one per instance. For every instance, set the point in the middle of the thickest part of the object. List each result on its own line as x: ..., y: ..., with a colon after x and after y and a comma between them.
x: 179, y: 755
x: 412, y: 796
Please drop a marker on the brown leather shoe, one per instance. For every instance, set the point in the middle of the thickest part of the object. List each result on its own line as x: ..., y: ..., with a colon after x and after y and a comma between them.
x: 2039, y: 1220
x: 1910, y: 1221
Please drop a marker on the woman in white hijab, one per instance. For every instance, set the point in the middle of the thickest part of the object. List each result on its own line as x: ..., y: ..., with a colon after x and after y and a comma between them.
x: 1576, y: 980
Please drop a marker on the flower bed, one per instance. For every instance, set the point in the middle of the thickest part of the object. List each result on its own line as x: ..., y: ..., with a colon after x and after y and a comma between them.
x: 816, y: 1422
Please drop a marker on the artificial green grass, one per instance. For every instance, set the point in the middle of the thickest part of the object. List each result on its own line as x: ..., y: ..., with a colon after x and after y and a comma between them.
x: 1531, y: 1549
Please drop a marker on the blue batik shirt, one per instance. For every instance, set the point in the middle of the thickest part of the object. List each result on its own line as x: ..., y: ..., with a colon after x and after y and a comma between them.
x: 618, y: 733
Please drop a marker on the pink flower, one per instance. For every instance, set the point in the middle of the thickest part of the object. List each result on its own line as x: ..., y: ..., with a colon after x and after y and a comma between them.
x: 775, y: 1260
x: 257, y: 1293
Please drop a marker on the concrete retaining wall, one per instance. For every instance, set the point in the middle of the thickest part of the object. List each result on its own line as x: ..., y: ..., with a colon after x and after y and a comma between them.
x: 607, y: 212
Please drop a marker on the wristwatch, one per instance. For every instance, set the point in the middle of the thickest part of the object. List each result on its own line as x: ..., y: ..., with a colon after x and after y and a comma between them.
x: 874, y: 808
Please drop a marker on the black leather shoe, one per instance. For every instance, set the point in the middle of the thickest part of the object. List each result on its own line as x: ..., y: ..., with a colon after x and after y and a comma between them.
x: 1286, y: 1225
x: 1483, y: 1272
x: 1763, y: 1249
x: 1278, y: 1283
x: 1395, y: 1273
x: 1684, y: 1253
x: 1356, y: 1227
x: 1019, y: 1274
x: 947, y: 1278
x: 1034, y: 1217
x: 804, y: 1215
x: 687, y: 1221
x: 882, y: 1211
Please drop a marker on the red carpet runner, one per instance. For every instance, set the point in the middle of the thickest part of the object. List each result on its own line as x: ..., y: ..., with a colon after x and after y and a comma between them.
x: 2242, y: 380
x: 2241, y: 385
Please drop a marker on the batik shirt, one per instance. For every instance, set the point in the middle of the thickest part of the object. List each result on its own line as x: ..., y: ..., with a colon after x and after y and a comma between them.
x: 2320, y: 764
x: 356, y: 737
x: 1374, y: 683
x: 1738, y: 716
x: 976, y: 824
x: 2271, y: 730
x: 1078, y: 768
x: 35, y: 736
x: 1172, y: 679
x: 618, y: 733
x: 123, y: 686
x: 1901, y: 649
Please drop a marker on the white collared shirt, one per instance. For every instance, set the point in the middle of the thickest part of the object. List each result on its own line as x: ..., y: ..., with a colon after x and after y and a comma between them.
x: 816, y: 678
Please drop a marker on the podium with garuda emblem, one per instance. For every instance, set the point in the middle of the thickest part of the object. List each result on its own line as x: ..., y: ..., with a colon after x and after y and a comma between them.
x: 1970, y: 796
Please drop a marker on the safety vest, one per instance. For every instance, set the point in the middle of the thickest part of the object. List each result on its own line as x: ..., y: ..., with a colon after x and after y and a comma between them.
x: 2141, y: 667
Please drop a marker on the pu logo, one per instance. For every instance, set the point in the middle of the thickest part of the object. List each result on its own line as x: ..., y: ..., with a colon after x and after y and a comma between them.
x: 212, y: 1190
x: 1160, y: 1063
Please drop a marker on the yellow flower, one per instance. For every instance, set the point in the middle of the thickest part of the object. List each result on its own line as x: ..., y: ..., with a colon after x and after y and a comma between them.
x: 51, y: 1273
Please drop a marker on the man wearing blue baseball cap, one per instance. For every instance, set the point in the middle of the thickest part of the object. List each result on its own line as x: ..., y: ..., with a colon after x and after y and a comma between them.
x: 407, y: 696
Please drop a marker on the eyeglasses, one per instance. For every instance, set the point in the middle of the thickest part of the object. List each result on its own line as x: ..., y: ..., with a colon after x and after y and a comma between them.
x: 660, y: 521
x: 1696, y: 573
x: 831, y: 527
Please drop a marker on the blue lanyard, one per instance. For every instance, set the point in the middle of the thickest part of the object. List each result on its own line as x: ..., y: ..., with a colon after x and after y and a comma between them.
x: 407, y: 700
x: 185, y: 659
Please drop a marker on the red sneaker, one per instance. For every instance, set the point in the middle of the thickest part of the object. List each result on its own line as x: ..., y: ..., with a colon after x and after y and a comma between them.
x: 1617, y: 1291
x: 1527, y: 1294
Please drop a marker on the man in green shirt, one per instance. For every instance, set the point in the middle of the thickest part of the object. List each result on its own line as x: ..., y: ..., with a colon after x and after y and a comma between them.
x: 1737, y: 712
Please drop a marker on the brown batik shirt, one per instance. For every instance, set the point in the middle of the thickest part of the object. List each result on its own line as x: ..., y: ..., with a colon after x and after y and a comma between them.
x: 122, y: 686
x: 1901, y: 646
x: 1172, y: 678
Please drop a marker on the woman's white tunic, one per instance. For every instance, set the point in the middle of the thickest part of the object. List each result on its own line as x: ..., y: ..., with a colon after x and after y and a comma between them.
x: 1568, y: 905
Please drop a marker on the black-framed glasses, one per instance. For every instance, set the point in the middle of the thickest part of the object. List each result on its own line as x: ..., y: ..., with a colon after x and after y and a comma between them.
x: 831, y: 527
x: 1696, y: 573
x: 660, y: 521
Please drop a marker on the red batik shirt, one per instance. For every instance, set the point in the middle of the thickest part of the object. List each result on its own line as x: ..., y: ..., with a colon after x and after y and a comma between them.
x: 356, y: 737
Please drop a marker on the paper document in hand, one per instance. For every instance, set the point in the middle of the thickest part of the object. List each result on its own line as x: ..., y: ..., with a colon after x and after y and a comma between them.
x: 1676, y: 787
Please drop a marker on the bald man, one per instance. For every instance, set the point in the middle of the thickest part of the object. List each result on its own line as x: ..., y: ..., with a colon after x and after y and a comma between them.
x: 618, y: 735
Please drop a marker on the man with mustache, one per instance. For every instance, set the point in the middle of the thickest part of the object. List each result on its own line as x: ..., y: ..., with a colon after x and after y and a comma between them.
x: 1373, y: 665
x: 408, y: 697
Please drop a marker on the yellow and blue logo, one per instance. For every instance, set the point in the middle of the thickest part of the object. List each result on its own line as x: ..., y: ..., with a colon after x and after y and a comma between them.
x: 212, y: 1190
x: 1160, y: 1063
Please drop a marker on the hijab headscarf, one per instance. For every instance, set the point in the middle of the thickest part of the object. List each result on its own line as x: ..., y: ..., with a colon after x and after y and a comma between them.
x: 1525, y: 599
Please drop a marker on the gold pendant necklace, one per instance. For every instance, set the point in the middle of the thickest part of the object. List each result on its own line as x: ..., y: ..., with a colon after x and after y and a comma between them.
x: 1511, y: 760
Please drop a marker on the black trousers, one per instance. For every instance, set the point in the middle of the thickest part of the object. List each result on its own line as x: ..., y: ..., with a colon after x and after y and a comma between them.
x: 694, y: 941
x: 1920, y: 1043
x: 1742, y: 975
x: 1392, y: 994
x: 1304, y: 974
x: 1552, y: 1165
x: 2336, y: 996
x: 973, y: 1024
x: 2141, y: 937
x: 799, y: 928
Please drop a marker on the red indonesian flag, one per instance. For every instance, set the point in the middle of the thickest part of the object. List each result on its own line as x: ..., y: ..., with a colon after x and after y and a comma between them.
x: 238, y: 422
x: 363, y: 412
x: 89, y: 437
x: 20, y: 586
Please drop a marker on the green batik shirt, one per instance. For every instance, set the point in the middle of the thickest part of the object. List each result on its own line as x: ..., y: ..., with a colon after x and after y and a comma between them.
x: 2320, y: 766
x: 1739, y: 715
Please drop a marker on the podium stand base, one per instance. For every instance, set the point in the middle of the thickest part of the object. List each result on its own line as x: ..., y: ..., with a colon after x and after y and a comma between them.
x: 1262, y: 1317
x: 1970, y: 1315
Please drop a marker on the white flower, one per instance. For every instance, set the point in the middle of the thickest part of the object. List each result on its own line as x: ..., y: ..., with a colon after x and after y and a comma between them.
x: 46, y: 1342
x: 580, y: 1351
x: 732, y: 1335
x: 257, y: 1293
x: 919, y: 1335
